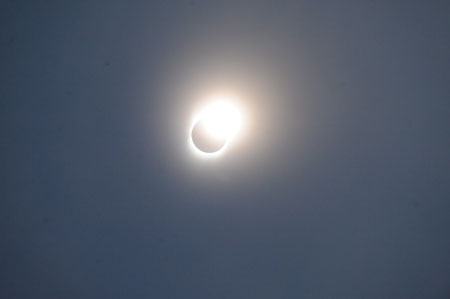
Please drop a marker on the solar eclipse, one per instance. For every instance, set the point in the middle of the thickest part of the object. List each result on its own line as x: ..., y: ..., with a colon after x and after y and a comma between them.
x: 215, y: 126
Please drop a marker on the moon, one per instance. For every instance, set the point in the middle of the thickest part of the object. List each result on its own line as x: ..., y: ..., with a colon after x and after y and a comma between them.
x: 214, y: 127
x: 204, y: 140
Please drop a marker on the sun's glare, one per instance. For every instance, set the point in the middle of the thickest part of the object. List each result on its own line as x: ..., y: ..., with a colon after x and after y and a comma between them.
x: 220, y: 120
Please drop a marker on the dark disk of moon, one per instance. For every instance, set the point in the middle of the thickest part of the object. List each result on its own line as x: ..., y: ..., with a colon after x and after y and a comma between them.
x: 203, y: 140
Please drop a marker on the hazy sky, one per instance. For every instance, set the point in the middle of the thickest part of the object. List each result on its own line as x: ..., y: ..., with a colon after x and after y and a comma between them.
x: 340, y: 190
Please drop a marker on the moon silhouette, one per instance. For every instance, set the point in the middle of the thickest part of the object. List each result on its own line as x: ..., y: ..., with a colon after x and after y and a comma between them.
x: 204, y: 140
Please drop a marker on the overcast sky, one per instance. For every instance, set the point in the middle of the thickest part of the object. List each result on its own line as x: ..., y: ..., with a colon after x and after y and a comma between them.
x: 341, y: 188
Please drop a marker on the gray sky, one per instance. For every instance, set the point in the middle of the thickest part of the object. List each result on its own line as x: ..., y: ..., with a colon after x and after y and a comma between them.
x: 340, y: 191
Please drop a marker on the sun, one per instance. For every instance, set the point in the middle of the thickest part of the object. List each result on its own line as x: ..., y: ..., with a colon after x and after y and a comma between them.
x: 215, y: 126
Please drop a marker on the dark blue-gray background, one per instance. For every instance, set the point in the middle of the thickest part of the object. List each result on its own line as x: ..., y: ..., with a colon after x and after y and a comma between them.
x: 352, y: 200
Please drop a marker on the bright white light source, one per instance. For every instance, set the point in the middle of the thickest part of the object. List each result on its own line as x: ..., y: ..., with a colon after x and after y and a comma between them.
x: 222, y: 120
x: 215, y: 126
